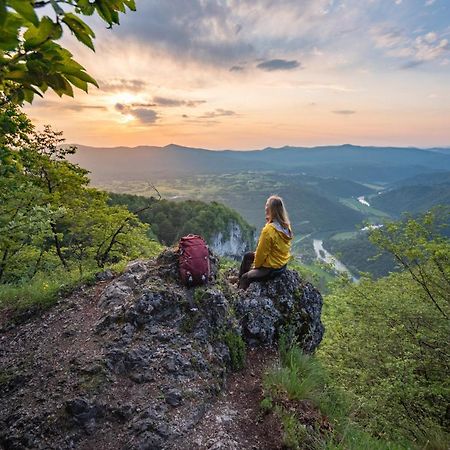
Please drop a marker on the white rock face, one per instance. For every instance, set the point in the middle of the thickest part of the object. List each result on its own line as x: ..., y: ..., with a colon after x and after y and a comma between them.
x: 233, y: 245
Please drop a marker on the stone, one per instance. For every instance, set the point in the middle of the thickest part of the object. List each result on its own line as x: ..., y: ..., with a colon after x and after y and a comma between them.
x: 174, y: 397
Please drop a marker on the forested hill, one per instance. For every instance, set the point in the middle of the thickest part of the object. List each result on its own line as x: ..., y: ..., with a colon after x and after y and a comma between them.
x: 366, y: 164
x: 169, y: 221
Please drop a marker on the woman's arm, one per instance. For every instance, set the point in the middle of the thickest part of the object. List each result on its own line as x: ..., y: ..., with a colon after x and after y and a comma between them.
x: 264, y: 247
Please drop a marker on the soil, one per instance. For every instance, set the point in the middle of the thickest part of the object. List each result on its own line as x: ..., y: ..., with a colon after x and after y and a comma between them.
x: 236, y: 420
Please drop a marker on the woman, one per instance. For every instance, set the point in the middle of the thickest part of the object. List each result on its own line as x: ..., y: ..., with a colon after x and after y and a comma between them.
x: 273, y: 250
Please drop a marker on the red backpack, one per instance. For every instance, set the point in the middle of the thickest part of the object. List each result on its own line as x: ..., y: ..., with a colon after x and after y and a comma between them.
x: 194, y: 260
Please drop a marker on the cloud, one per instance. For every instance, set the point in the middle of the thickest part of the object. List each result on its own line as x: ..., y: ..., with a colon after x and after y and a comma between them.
x: 68, y: 106
x: 344, y: 112
x: 417, y: 50
x: 237, y: 69
x: 388, y: 38
x: 429, y: 2
x: 122, y: 84
x: 278, y: 64
x: 145, y: 115
x: 217, y: 113
x: 170, y: 102
x: 411, y: 64
x: 207, y: 31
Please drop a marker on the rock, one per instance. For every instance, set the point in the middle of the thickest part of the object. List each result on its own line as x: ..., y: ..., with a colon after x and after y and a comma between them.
x: 174, y: 397
x: 284, y: 305
x: 106, y: 275
x: 150, y: 362
x: 231, y: 243
x: 85, y: 413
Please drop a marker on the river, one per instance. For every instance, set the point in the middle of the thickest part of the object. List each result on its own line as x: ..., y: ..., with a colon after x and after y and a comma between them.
x: 330, y: 259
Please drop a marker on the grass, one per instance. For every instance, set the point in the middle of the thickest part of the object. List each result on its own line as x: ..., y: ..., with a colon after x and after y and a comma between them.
x: 236, y: 346
x: 42, y: 291
x: 301, y: 380
x: 344, y: 236
x: 367, y: 210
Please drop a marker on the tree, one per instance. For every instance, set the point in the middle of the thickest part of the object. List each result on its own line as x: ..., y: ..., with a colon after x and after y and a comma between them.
x: 387, y: 340
x: 50, y: 216
x: 31, y: 61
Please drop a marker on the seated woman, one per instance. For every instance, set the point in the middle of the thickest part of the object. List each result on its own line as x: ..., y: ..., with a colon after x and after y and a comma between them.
x: 273, y: 250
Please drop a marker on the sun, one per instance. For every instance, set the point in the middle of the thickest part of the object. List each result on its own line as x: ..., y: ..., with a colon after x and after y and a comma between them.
x: 126, y: 118
x: 125, y: 98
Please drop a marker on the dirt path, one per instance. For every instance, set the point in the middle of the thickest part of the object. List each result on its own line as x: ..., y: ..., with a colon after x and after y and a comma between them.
x: 236, y: 421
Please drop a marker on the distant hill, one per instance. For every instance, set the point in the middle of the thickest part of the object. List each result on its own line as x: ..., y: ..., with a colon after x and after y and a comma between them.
x: 412, y: 199
x: 362, y: 164
x: 424, y: 179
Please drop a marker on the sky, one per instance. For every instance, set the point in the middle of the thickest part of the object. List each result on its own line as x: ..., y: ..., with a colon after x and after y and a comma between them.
x: 249, y: 74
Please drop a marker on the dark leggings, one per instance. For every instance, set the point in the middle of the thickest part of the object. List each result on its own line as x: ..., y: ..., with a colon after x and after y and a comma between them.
x: 247, y: 274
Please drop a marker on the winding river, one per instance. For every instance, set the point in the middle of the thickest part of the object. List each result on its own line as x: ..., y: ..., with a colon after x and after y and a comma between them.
x: 328, y: 258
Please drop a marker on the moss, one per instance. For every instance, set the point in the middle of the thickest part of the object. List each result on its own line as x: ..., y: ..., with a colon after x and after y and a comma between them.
x: 298, y: 294
x: 199, y: 295
x: 266, y: 404
x: 6, y: 376
x: 236, y: 346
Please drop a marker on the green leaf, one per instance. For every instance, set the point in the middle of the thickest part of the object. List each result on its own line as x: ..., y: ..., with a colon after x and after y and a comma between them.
x: 81, y: 31
x: 131, y: 4
x: 9, y: 37
x: 47, y: 30
x: 26, y: 9
x: 104, y: 11
x: 85, y: 77
x: 58, y: 10
x: 80, y: 84
x: 3, y: 12
x: 60, y: 85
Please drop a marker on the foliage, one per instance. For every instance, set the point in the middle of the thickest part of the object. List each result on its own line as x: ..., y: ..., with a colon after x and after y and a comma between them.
x: 387, y: 340
x: 236, y: 346
x: 42, y: 291
x: 422, y: 250
x: 50, y: 217
x: 171, y: 220
x: 31, y: 61
x: 300, y: 388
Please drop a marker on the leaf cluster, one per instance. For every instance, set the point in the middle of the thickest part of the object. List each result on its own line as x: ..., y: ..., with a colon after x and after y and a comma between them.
x: 31, y: 60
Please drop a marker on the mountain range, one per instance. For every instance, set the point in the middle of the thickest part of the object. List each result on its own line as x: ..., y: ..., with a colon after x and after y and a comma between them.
x: 362, y: 164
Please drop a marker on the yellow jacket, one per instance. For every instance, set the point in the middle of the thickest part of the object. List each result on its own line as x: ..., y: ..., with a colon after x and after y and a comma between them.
x: 273, y: 248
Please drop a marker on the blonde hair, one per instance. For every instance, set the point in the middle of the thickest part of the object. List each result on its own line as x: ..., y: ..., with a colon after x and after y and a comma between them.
x: 277, y: 211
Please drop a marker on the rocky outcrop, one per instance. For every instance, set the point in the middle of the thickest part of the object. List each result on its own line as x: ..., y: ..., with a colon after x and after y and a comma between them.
x: 137, y: 360
x: 231, y: 243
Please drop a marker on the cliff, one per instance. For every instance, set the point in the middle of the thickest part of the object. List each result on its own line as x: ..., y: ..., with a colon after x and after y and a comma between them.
x: 137, y: 361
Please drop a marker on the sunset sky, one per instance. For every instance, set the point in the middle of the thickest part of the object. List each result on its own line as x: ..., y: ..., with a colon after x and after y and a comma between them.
x: 235, y: 74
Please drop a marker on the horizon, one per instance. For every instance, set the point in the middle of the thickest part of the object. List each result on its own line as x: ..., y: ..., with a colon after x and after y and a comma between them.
x: 246, y: 75
x: 261, y: 148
